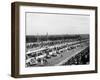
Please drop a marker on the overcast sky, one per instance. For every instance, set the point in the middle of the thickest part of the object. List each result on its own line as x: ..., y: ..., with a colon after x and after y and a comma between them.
x: 40, y: 23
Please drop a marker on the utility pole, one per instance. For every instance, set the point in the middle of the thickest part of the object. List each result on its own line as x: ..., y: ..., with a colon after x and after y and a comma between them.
x: 47, y: 36
x: 38, y: 37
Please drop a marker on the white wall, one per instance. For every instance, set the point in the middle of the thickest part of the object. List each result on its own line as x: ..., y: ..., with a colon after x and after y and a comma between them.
x: 5, y: 41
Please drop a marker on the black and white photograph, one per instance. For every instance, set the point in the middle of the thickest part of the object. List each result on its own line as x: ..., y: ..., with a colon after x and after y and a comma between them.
x: 54, y: 39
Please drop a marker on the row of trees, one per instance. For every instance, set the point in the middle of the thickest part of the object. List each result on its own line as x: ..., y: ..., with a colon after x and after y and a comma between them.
x: 51, y: 37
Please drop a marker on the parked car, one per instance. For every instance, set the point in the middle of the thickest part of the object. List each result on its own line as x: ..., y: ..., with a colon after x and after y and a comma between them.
x: 31, y: 61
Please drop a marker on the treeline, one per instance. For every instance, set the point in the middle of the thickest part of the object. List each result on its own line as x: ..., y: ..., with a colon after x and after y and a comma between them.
x: 35, y: 38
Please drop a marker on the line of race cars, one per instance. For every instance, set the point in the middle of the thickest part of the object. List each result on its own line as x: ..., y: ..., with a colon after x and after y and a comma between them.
x: 40, y: 57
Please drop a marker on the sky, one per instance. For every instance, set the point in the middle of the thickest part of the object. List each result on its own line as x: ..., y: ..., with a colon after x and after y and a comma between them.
x: 56, y: 24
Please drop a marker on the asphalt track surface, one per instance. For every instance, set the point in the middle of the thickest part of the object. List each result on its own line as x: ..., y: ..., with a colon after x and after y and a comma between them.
x: 63, y: 57
x: 59, y: 60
